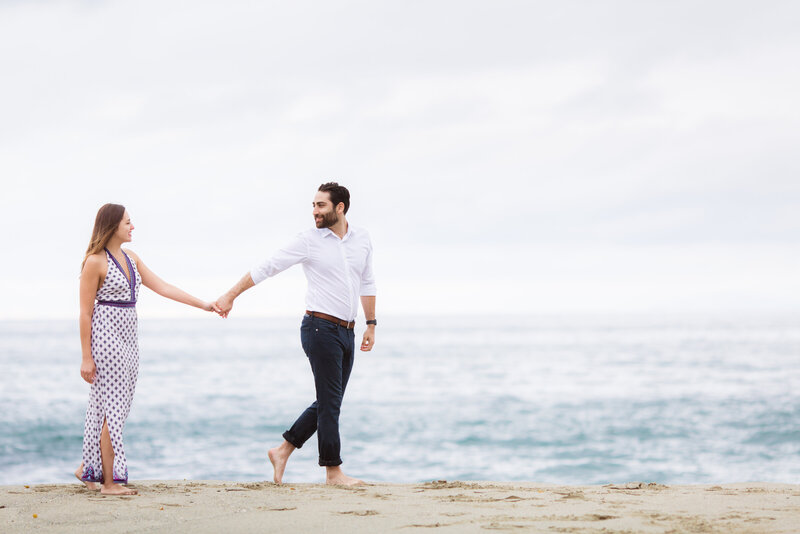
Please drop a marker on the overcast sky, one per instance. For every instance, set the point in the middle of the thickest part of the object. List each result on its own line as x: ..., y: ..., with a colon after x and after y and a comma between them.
x: 507, y: 157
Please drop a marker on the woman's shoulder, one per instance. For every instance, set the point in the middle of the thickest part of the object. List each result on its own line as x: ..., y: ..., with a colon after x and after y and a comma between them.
x: 96, y: 263
x: 97, y: 259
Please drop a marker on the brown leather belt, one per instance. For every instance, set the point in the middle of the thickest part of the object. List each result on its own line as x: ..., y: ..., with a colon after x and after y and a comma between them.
x: 349, y: 325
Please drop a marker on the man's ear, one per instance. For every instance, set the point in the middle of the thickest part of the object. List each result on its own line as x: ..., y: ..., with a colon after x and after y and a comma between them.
x: 340, y: 208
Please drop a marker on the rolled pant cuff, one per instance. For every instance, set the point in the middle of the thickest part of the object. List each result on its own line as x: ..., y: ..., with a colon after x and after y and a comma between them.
x: 329, y: 463
x: 291, y: 439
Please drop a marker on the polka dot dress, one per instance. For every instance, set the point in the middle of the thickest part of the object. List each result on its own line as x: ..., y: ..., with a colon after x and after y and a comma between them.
x: 115, y: 349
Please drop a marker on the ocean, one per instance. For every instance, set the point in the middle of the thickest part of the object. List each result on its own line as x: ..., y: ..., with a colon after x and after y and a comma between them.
x: 568, y: 399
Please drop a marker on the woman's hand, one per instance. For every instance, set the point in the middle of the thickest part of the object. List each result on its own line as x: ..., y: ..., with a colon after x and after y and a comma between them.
x: 208, y: 306
x: 88, y: 370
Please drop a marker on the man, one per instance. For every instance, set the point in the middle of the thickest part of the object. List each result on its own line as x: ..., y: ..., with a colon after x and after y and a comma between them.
x: 337, y: 261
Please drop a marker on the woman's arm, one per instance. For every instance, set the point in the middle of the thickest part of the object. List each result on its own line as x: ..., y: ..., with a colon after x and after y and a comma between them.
x: 153, y: 282
x: 91, y: 275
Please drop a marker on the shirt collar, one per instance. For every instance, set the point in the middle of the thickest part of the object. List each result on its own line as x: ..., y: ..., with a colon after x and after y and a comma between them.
x: 327, y: 232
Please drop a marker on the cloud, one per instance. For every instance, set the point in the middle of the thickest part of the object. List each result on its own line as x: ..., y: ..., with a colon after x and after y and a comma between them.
x: 464, y: 130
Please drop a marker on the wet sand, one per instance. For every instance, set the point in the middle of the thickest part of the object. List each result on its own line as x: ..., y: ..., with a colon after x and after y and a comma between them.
x: 228, y: 507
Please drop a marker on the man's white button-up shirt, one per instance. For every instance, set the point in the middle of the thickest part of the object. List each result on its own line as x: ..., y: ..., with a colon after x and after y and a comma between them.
x: 338, y: 271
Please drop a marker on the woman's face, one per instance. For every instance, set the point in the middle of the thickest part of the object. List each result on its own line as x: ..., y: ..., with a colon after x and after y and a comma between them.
x: 125, y: 228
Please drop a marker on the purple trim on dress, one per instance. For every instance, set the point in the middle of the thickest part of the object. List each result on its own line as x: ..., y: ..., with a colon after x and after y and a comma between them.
x: 118, y: 265
x: 118, y: 303
x: 89, y: 475
x: 131, y: 281
x: 120, y: 479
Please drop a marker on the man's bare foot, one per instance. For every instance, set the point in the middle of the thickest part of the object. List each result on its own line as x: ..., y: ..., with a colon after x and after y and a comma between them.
x: 90, y: 485
x: 278, y: 456
x: 117, y: 489
x: 336, y: 477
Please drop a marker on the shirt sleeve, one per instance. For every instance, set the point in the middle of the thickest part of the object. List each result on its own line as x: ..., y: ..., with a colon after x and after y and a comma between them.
x: 368, y: 288
x: 296, y: 251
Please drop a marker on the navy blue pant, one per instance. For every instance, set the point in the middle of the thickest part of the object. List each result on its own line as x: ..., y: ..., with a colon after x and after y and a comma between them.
x: 330, y: 351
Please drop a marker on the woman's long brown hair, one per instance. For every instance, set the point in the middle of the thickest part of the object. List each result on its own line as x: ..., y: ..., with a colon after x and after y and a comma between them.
x: 105, y: 224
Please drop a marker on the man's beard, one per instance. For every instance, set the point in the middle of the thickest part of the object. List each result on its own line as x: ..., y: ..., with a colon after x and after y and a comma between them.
x: 328, y: 220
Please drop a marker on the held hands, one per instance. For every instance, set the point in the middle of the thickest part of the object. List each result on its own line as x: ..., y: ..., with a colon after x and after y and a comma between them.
x: 88, y: 370
x: 224, y: 305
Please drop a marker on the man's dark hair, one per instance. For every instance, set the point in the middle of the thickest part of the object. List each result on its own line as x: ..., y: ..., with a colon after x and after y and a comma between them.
x: 338, y: 193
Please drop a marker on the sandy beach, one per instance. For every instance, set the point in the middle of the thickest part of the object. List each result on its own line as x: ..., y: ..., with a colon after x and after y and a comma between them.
x: 441, y: 506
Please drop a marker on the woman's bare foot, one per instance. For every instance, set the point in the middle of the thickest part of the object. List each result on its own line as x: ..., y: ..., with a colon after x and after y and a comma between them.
x: 116, y: 489
x: 278, y: 456
x: 90, y: 485
x: 336, y: 477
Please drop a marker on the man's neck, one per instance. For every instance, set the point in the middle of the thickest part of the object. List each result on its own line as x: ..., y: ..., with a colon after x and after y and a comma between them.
x: 340, y: 228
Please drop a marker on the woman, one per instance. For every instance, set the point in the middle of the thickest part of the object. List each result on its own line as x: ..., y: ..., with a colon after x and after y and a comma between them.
x: 110, y: 346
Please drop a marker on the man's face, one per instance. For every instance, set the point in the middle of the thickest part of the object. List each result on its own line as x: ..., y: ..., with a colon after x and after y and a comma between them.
x: 324, y: 213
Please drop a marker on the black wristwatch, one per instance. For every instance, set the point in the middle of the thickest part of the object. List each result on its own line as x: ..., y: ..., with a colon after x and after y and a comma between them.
x: 373, y: 321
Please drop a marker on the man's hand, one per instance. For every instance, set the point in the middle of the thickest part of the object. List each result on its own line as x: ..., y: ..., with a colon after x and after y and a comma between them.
x: 224, y: 305
x: 369, y: 339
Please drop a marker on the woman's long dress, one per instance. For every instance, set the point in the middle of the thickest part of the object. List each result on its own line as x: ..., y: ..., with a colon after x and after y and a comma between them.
x: 115, y: 349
